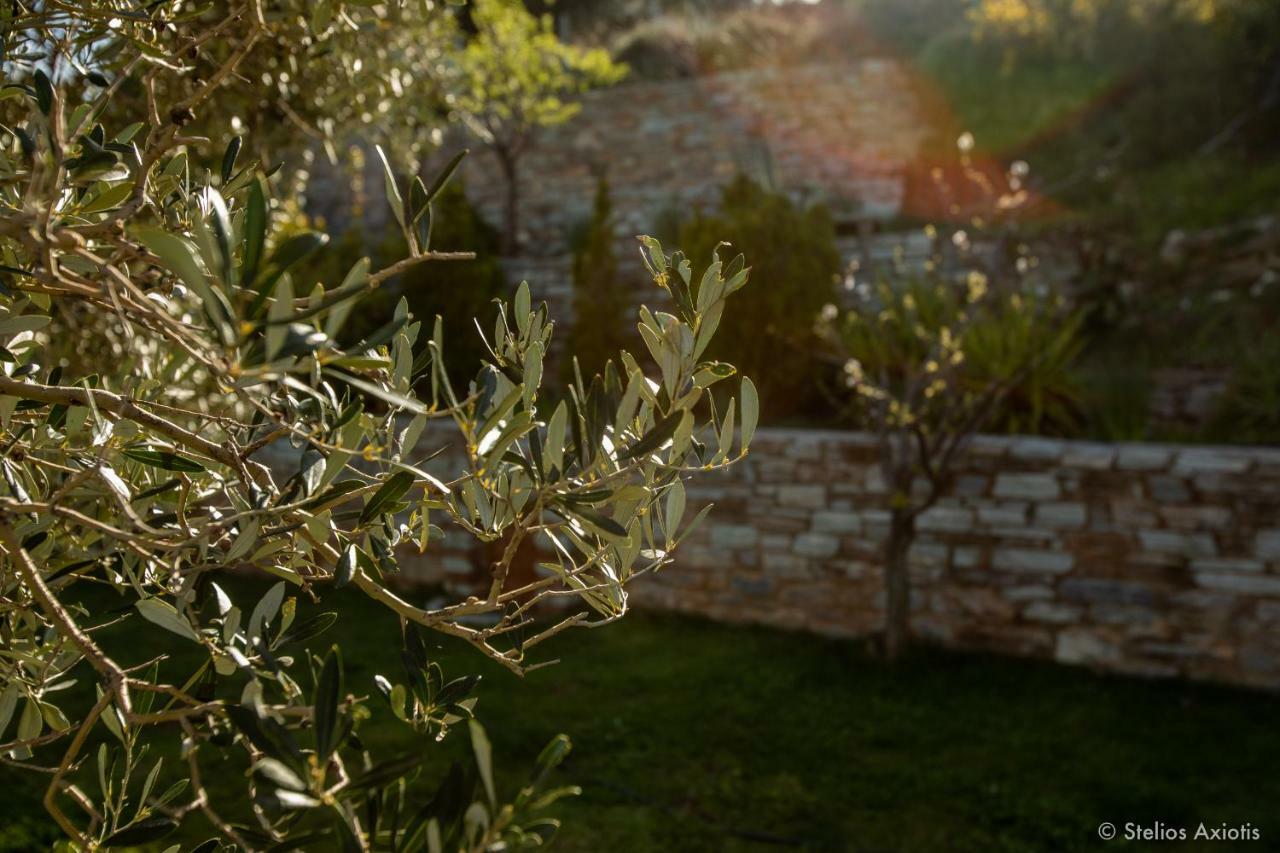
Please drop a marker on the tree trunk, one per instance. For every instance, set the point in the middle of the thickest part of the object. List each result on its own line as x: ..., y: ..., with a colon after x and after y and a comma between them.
x: 511, y: 208
x: 897, y: 583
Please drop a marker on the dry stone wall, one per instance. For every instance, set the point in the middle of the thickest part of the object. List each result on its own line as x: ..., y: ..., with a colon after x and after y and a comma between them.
x: 1155, y: 560
x: 840, y: 133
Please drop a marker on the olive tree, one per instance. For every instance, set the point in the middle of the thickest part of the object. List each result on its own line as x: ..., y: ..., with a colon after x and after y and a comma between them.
x: 929, y: 363
x: 514, y: 77
x: 157, y: 353
x: 974, y: 340
x: 931, y: 357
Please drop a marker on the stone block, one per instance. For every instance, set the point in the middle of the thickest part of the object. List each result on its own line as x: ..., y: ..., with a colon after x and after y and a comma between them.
x: 1136, y: 619
x: 843, y: 522
x: 1267, y: 544
x: 803, y: 447
x: 1130, y: 513
x: 875, y: 518
x: 779, y: 520
x: 1176, y: 543
x: 1166, y: 489
x: 1032, y: 560
x: 1088, y: 455
x: 971, y: 485
x: 1051, y: 613
x: 754, y: 587
x: 457, y: 566
x: 1197, y: 517
x: 1228, y: 564
x: 786, y: 566
x: 991, y: 446
x: 1061, y: 516
x: 1217, y: 484
x: 853, y: 569
x: 775, y: 542
x: 1100, y: 590
x: 1241, y: 584
x: 817, y: 545
x: 1210, y: 461
x: 983, y: 603
x: 932, y: 554
x: 1003, y: 514
x: 1143, y: 457
x: 1023, y: 535
x: 1034, y: 449
x: 1027, y: 487
x: 1175, y: 650
x: 1082, y: 646
x: 1034, y: 592
x: 965, y: 556
x: 734, y: 536
x: 805, y: 496
x: 945, y: 519
x: 769, y: 470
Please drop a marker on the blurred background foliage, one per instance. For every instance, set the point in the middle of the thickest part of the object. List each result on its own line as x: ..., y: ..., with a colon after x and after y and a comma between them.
x: 794, y: 269
x: 602, y: 305
x: 458, y: 292
x: 1151, y: 128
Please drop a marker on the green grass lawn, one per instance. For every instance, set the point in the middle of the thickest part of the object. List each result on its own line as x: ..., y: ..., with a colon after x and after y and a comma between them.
x: 691, y: 736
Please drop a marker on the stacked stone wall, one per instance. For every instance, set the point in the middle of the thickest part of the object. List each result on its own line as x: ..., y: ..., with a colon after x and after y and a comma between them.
x: 839, y: 133
x: 1159, y: 560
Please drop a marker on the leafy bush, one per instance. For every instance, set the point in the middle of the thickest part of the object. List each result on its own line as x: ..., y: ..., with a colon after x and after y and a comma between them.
x: 158, y: 352
x: 1117, y: 398
x: 600, y: 301
x: 794, y: 264
x: 1249, y: 410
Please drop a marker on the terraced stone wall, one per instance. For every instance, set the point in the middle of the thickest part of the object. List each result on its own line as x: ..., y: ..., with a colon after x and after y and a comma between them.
x: 1157, y: 560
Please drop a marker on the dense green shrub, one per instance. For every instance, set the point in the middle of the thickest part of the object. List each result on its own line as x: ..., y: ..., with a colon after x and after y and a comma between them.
x: 1116, y: 397
x: 794, y: 265
x: 459, y: 292
x: 600, y: 302
x: 1249, y: 410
